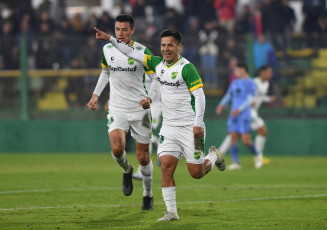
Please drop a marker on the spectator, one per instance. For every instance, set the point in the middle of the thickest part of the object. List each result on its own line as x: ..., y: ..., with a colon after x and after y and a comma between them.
x: 45, y: 6
x: 261, y: 51
x: 106, y: 23
x: 191, y: 45
x: 63, y: 36
x: 209, y: 54
x: 58, y: 11
x: 231, y: 50
x: 244, y: 22
x: 226, y: 13
x: 289, y: 20
x: 77, y: 24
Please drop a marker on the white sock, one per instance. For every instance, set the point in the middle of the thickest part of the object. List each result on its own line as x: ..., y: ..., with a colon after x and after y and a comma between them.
x: 122, y: 162
x: 169, y: 196
x: 225, y: 146
x: 260, y: 143
x: 147, y: 179
x: 212, y: 158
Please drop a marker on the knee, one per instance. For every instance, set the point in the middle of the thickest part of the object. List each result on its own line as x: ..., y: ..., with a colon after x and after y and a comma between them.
x: 117, y: 149
x: 143, y: 159
x: 197, y: 174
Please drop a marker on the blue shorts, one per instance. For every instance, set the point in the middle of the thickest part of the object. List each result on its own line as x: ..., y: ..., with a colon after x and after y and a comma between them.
x: 239, y: 124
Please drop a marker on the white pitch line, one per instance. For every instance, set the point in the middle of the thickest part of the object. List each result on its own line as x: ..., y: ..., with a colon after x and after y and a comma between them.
x: 179, y: 187
x: 186, y: 202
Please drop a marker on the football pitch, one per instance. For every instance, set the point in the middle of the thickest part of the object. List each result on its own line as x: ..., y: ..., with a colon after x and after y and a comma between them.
x: 83, y: 191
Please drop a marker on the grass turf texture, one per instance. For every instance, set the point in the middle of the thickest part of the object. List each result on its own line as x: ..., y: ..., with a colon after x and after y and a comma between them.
x: 83, y: 191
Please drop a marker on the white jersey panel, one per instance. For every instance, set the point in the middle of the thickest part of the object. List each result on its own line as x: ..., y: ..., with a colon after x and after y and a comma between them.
x: 261, y: 93
x: 175, y: 94
x: 126, y: 79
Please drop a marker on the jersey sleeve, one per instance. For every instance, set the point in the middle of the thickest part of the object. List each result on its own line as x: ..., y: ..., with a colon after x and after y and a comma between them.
x: 104, y: 61
x: 191, y: 77
x: 151, y: 62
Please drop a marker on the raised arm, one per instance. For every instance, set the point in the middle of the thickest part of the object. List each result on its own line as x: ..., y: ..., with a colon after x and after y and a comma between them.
x: 129, y: 51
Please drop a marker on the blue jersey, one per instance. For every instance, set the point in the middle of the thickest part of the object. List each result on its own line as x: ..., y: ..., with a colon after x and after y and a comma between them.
x: 240, y: 93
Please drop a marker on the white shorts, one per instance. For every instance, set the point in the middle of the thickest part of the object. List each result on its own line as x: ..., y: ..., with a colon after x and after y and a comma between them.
x: 257, y: 121
x: 179, y: 141
x: 156, y: 116
x: 138, y: 122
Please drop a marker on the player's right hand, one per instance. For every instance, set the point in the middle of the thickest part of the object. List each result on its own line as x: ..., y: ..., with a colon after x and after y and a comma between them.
x: 93, y: 103
x: 100, y: 35
x: 146, y: 103
x: 219, y: 109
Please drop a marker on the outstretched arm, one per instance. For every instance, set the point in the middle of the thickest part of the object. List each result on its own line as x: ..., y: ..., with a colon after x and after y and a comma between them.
x: 129, y: 51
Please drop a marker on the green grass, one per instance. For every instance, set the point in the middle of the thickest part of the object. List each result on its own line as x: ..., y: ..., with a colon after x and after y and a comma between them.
x: 83, y: 191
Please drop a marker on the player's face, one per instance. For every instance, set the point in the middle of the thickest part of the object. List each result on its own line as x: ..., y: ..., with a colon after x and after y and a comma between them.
x: 170, y: 49
x: 124, y: 32
x: 267, y: 74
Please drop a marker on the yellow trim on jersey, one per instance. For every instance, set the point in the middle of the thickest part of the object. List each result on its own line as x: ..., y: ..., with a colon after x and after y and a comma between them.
x: 149, y: 72
x: 180, y: 57
x: 146, y: 61
x: 104, y: 66
x: 196, y: 87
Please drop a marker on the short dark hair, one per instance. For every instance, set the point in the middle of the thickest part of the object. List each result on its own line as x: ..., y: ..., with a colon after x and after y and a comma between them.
x: 263, y: 68
x: 126, y: 18
x: 242, y: 64
x: 172, y: 33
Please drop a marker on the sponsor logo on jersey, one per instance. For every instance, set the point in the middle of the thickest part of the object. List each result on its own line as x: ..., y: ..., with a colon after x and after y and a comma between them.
x: 177, y: 83
x: 196, y: 82
x: 119, y: 68
x: 161, y: 139
x: 130, y: 61
x: 139, y: 48
x: 197, y: 155
x: 110, y: 46
x: 174, y: 75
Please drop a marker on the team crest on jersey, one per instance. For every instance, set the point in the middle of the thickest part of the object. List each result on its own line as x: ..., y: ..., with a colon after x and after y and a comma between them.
x: 110, y: 46
x: 130, y: 61
x: 197, y: 155
x: 174, y: 75
x: 138, y: 47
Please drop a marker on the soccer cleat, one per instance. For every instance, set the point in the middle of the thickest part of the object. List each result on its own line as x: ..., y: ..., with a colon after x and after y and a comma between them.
x: 265, y: 161
x: 138, y: 174
x: 128, y: 182
x: 147, y: 203
x: 169, y: 216
x: 234, y: 166
x: 258, y: 161
x: 220, y: 162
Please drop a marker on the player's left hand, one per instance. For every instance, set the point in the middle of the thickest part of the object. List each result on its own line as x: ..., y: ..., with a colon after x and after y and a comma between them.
x: 236, y: 112
x: 198, y: 132
x: 100, y: 35
x: 146, y: 103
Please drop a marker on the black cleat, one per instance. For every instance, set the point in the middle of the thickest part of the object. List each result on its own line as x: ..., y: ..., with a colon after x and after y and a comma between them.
x: 147, y: 203
x: 128, y: 182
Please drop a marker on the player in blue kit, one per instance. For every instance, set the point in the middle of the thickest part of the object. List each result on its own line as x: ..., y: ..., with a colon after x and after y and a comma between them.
x: 240, y: 93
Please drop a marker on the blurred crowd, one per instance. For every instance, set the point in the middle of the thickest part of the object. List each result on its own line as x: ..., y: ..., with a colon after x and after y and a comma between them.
x: 214, y: 31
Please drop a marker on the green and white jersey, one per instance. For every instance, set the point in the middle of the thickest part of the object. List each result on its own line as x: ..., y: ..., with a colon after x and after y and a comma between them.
x: 127, y: 78
x: 177, y: 82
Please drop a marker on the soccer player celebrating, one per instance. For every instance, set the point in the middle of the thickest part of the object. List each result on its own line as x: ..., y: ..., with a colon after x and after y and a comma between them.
x: 258, y: 125
x: 241, y: 93
x: 126, y: 91
x: 183, y: 104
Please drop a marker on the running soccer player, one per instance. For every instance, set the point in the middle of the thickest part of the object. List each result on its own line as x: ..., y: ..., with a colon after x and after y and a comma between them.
x: 240, y: 93
x: 258, y: 125
x: 125, y: 113
x: 183, y: 104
